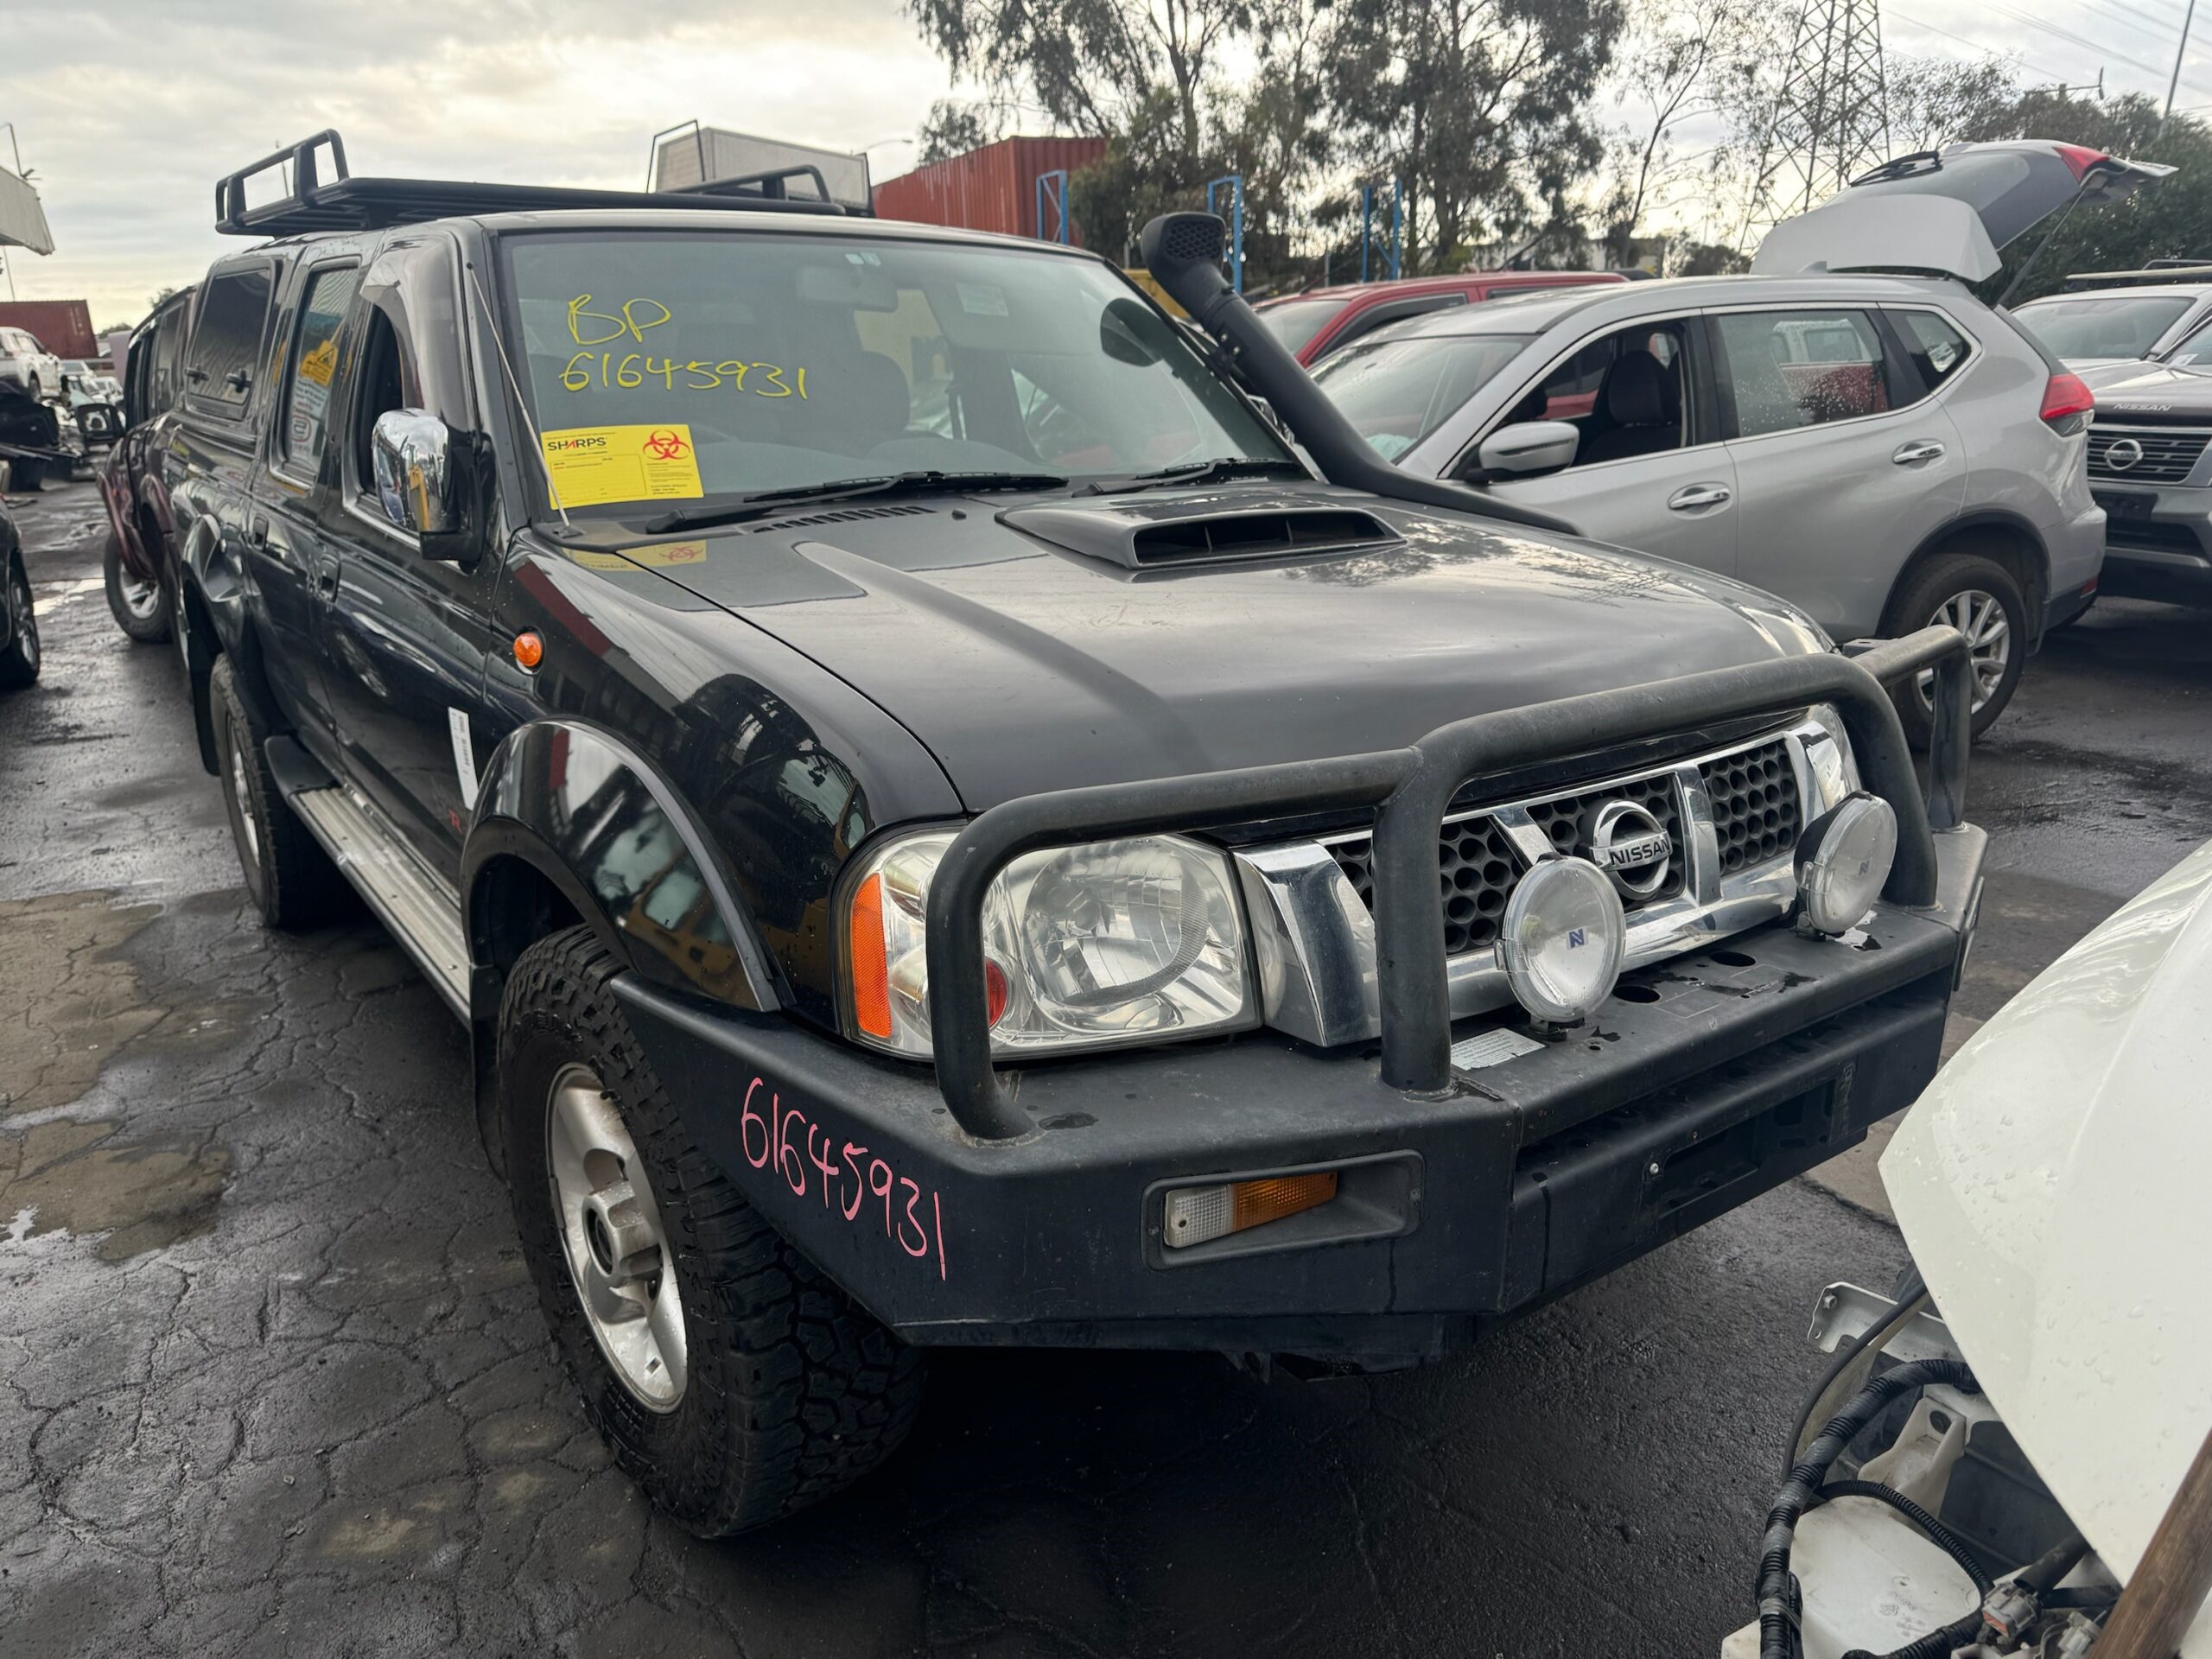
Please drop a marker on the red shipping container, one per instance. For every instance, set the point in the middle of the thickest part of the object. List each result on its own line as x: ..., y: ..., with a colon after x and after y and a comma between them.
x: 63, y: 327
x: 994, y: 188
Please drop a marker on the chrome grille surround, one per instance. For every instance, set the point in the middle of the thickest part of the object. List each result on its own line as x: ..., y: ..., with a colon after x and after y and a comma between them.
x: 2160, y: 455
x: 1734, y: 814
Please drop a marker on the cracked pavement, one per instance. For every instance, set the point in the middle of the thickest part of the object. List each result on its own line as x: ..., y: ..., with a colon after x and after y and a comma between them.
x: 273, y: 1379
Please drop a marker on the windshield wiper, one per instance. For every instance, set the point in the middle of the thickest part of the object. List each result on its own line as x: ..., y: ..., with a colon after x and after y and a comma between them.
x: 760, y: 503
x: 1219, y: 470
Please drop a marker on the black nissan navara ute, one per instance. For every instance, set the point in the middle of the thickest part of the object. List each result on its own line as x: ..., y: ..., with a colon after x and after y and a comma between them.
x: 957, y: 811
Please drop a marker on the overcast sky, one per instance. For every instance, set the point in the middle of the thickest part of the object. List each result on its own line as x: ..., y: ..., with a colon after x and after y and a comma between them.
x: 127, y: 110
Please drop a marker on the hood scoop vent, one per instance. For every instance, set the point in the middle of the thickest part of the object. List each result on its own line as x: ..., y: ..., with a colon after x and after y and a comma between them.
x: 1179, y: 535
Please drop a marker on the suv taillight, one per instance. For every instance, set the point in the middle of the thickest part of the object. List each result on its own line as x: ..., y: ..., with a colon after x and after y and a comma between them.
x: 2080, y: 158
x: 2067, y: 404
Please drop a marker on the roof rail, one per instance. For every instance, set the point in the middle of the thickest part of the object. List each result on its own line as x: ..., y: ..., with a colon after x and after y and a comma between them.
x: 311, y: 202
x: 2150, y: 276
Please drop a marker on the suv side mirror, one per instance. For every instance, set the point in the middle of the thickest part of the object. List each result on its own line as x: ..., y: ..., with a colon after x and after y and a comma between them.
x: 422, y: 467
x: 1530, y: 447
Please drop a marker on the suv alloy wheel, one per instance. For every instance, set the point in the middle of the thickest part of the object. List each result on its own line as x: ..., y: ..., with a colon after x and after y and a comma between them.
x: 731, y: 1379
x: 140, y: 605
x: 1977, y: 596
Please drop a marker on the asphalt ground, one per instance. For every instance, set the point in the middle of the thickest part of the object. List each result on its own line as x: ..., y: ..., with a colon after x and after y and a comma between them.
x: 273, y: 1381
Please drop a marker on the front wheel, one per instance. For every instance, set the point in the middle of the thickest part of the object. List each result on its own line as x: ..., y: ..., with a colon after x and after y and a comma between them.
x: 1978, y: 597
x: 140, y: 604
x: 732, y: 1380
x: 19, y: 647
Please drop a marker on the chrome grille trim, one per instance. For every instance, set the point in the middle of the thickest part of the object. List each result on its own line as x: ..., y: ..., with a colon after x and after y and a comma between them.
x: 2169, y: 454
x: 1315, y: 938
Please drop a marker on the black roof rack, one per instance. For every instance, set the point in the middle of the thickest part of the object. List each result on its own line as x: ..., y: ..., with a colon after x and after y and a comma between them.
x: 346, y: 203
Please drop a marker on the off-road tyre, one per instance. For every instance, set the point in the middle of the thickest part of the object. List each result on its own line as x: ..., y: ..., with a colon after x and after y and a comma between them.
x: 289, y: 876
x: 19, y: 644
x: 144, y: 614
x: 1930, y: 588
x: 792, y: 1390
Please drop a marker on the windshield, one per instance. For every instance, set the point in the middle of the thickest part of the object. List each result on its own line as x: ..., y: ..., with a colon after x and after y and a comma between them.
x: 668, y: 368
x: 1398, y: 391
x: 1295, y: 323
x: 2123, y: 326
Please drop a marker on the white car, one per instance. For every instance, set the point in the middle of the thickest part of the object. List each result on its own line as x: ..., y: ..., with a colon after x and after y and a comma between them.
x: 2051, y: 1375
x: 1884, y: 451
x: 26, y: 364
x: 2091, y: 326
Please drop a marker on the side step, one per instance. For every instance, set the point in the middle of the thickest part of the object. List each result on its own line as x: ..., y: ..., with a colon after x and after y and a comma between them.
x: 422, y: 911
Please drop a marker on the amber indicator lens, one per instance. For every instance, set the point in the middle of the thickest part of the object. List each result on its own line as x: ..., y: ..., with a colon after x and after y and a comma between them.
x: 530, y: 650
x: 1196, y: 1214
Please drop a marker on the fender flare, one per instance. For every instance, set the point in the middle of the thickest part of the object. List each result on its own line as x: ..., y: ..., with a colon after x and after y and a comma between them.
x: 520, y: 815
x: 518, y: 822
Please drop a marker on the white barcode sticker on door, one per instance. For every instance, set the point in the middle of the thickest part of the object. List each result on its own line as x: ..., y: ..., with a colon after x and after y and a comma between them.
x: 464, y: 756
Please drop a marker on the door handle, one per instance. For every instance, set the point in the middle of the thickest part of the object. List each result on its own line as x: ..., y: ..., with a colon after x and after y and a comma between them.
x: 1691, y: 497
x: 325, y: 581
x: 1925, y: 449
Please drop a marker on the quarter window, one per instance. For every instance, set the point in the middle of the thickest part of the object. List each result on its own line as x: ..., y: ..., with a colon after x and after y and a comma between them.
x: 226, y: 343
x: 315, y: 364
x: 1934, y: 346
x: 1789, y: 369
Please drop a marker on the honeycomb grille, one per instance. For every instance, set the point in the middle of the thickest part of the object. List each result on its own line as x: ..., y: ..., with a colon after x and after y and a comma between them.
x: 1478, y: 867
x: 1754, y: 797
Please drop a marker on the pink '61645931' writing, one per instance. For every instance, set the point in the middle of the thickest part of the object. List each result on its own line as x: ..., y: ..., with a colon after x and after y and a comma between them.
x: 807, y: 1156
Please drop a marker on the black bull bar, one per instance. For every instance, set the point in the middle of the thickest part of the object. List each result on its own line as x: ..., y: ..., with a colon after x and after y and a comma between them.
x: 1411, y: 789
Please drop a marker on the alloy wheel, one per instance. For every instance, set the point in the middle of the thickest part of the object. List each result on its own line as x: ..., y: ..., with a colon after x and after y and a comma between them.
x: 142, y: 596
x: 21, y: 632
x: 619, y: 1256
x: 1981, y: 617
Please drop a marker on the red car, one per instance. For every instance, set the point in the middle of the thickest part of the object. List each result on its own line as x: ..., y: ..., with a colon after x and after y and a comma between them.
x: 1312, y: 324
x: 141, y: 586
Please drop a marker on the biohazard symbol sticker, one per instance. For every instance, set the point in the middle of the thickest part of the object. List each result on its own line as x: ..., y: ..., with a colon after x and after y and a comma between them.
x: 586, y: 465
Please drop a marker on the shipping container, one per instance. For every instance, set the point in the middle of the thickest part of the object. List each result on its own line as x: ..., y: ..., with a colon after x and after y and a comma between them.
x: 994, y: 188
x: 63, y: 327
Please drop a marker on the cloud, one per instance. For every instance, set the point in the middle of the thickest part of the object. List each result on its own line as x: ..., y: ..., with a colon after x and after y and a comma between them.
x: 140, y: 106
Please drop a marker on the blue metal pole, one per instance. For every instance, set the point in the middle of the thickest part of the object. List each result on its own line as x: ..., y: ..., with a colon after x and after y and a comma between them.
x: 1397, y: 228
x: 1366, y: 225
x: 1053, y: 188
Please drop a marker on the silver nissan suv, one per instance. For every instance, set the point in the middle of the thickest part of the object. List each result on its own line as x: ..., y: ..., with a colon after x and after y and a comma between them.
x: 1885, y: 451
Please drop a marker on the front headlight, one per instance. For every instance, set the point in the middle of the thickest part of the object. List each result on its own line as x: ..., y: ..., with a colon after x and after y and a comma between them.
x: 1133, y: 940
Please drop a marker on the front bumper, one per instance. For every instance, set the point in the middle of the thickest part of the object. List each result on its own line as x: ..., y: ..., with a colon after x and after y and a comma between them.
x: 2158, y: 544
x: 1705, y: 1081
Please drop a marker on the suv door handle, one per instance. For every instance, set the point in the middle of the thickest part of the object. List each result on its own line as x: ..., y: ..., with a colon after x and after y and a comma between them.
x: 1925, y: 449
x: 1691, y: 497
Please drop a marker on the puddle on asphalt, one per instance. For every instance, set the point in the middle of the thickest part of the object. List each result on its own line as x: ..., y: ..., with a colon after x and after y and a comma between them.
x: 74, y: 1002
x: 74, y: 997
x: 85, y: 1178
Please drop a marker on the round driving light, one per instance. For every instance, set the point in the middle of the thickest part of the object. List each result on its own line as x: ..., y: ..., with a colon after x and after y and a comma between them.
x: 1562, y: 938
x: 1843, y: 859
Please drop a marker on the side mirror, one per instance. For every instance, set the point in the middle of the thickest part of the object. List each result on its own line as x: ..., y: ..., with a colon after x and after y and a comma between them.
x: 419, y: 478
x: 1530, y: 447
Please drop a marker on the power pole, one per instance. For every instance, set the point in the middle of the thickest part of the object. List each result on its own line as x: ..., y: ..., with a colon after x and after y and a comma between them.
x: 1832, y: 116
x: 2181, y: 50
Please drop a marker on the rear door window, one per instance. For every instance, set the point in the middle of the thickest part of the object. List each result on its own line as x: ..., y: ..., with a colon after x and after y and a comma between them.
x: 1788, y: 368
x: 313, y: 365
x: 1935, y: 349
x: 226, y: 343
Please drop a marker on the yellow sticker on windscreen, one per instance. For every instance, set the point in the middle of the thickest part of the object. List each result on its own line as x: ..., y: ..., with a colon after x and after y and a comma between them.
x: 594, y: 464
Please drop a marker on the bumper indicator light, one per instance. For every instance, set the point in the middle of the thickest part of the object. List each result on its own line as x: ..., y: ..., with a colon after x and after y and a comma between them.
x: 1195, y: 1215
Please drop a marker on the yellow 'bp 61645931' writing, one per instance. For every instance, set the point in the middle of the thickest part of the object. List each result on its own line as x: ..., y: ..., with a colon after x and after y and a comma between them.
x: 630, y: 371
